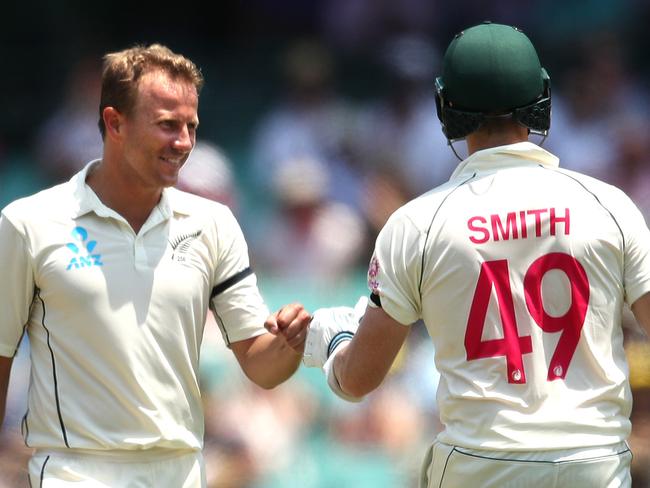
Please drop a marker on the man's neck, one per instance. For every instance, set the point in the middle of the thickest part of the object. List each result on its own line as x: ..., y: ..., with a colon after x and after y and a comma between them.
x: 485, y: 139
x: 127, y: 199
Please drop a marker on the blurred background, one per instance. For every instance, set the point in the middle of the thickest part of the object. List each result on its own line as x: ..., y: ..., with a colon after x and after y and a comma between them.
x: 317, y: 121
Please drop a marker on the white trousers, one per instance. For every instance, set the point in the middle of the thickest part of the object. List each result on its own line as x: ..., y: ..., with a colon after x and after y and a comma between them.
x: 448, y: 466
x: 117, y: 469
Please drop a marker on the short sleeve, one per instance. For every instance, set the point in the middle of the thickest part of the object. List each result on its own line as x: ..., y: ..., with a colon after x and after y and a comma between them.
x: 637, y: 256
x: 16, y: 286
x: 236, y: 301
x: 395, y: 268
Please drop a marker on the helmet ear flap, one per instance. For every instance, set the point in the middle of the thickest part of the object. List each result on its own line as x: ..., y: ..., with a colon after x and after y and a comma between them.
x: 537, y: 115
x: 460, y: 124
x: 456, y: 124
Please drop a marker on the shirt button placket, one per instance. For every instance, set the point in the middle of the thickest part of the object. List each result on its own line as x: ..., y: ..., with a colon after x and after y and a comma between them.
x: 139, y: 253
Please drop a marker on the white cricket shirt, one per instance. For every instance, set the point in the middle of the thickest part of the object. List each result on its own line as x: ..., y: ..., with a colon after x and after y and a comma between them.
x: 520, y: 271
x: 115, y: 319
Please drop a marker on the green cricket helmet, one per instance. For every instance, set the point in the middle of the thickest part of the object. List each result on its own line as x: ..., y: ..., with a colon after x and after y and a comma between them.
x: 492, y: 70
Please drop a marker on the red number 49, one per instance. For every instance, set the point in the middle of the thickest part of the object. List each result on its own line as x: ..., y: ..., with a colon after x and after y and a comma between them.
x: 512, y: 345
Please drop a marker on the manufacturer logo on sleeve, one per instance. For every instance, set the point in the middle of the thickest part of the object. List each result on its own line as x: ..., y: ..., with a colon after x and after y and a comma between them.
x: 83, y: 250
x: 373, y: 274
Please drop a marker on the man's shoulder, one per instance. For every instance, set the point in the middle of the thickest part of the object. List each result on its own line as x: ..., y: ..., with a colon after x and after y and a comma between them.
x: 46, y: 203
x: 605, y: 192
x: 421, y: 209
x: 194, y: 205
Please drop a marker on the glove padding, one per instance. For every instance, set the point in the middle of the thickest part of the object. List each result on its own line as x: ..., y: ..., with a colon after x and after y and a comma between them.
x: 329, y: 330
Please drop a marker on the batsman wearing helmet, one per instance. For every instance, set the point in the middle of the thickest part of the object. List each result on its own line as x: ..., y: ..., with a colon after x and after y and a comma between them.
x: 520, y: 271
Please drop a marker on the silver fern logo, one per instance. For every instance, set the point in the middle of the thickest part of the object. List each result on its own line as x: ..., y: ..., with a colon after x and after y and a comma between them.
x: 181, y: 244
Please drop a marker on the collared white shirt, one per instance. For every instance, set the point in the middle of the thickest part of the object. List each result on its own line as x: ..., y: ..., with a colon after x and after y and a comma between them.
x: 115, y: 319
x: 520, y: 271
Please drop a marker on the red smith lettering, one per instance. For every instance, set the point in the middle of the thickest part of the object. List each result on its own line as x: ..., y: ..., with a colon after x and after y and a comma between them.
x: 519, y: 225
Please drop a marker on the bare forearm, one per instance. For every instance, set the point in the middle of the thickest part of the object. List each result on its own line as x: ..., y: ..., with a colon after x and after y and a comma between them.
x: 3, y: 399
x: 353, y: 377
x: 364, y: 363
x: 5, y: 369
x: 267, y: 360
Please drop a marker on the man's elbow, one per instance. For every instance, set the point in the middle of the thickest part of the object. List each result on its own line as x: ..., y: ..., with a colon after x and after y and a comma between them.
x: 268, y: 378
x: 359, y: 387
x: 265, y: 381
x: 269, y: 383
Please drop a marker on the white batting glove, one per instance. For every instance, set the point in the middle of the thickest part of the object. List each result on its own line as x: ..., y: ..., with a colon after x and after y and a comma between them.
x: 329, y: 330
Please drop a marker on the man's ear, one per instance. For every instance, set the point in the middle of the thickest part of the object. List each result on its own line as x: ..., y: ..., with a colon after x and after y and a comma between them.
x: 113, y: 121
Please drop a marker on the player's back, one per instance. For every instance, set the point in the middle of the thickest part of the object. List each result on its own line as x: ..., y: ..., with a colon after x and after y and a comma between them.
x: 521, y: 288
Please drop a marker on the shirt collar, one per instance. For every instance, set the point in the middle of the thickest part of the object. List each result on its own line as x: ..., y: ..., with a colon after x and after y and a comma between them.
x: 501, y: 157
x: 88, y: 201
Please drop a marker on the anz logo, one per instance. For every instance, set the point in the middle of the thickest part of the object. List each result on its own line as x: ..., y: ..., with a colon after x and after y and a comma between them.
x: 83, y: 251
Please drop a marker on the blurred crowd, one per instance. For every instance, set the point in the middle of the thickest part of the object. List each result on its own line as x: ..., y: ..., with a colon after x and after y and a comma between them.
x: 320, y: 172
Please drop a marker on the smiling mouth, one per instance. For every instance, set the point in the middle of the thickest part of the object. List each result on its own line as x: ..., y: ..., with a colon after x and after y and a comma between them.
x: 173, y: 162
